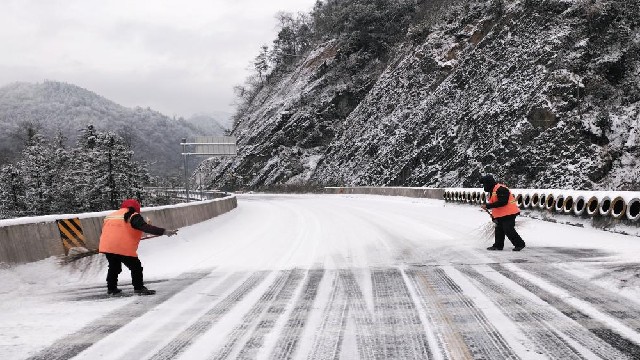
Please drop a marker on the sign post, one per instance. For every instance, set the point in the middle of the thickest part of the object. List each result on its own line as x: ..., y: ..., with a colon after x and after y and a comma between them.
x: 207, y: 146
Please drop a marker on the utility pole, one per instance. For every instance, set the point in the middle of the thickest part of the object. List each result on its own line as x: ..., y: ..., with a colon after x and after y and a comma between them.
x: 200, y: 183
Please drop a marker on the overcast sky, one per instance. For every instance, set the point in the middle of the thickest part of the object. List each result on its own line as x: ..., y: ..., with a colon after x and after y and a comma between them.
x: 177, y: 57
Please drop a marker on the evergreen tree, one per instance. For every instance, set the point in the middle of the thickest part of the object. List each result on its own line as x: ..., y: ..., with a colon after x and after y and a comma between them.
x: 63, y: 187
x: 370, y: 25
x: 12, y: 192
x: 261, y: 62
x: 88, y: 169
x: 109, y: 171
x: 292, y: 40
x: 96, y: 175
x: 36, y: 174
x: 125, y: 176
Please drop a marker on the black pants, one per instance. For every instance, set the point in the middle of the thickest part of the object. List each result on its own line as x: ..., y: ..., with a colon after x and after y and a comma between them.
x: 507, y: 226
x: 115, y: 268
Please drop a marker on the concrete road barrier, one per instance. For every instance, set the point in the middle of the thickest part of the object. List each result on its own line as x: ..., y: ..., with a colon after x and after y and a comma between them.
x: 418, y: 192
x: 31, y: 239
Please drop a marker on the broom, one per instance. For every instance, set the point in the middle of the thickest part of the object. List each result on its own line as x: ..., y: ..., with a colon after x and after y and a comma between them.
x: 78, y: 253
x: 487, y: 231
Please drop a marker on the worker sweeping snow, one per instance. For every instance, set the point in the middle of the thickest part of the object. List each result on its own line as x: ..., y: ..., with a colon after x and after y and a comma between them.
x: 504, y: 211
x: 121, y: 234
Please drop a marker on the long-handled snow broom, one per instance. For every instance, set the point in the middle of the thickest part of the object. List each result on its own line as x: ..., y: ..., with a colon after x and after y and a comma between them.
x: 78, y: 253
x: 488, y: 230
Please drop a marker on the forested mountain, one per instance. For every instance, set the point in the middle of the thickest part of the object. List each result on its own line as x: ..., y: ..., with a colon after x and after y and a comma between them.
x: 96, y: 174
x: 542, y: 93
x: 210, y: 125
x: 52, y: 108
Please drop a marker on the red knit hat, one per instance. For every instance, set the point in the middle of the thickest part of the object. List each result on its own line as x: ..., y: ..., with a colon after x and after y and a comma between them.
x: 131, y: 203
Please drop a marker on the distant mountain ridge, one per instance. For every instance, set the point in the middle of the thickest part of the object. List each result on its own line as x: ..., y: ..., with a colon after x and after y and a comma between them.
x: 53, y: 106
x: 211, y: 125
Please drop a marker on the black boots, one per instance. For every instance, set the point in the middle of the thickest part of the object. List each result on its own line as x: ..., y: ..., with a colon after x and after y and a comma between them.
x: 517, y: 248
x: 114, y: 291
x: 144, y: 291
x: 141, y: 291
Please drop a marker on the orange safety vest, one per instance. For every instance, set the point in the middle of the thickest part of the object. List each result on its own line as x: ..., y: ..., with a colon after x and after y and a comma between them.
x: 510, y: 209
x: 118, y: 237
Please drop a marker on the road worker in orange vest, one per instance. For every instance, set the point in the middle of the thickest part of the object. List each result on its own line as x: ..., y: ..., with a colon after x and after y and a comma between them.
x: 504, y: 210
x: 121, y: 233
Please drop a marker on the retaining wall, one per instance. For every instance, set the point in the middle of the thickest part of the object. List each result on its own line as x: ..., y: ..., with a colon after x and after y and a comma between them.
x: 36, y: 238
x: 418, y: 192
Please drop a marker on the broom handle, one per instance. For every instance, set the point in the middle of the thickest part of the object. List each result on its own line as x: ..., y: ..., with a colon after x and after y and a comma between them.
x: 490, y: 214
x: 95, y: 251
x: 144, y: 238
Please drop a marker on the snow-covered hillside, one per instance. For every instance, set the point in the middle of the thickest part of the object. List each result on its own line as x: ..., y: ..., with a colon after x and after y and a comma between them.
x: 543, y: 93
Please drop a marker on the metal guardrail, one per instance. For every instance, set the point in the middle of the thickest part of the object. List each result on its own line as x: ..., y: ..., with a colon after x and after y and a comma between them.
x: 182, y: 193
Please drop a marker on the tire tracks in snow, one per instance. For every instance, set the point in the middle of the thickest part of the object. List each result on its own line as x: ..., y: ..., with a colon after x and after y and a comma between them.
x: 73, y: 344
x: 399, y: 324
x: 188, y: 336
x: 587, y: 292
x: 328, y: 339
x: 602, y: 299
x: 266, y: 320
x: 346, y: 301
x: 290, y: 336
x: 554, y: 335
x: 462, y: 330
x: 146, y: 345
x: 367, y: 339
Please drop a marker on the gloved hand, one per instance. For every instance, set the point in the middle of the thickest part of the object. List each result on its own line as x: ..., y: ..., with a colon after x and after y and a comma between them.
x: 170, y: 232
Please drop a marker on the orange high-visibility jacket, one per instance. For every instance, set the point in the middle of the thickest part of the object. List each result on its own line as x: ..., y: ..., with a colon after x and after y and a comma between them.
x: 118, y: 237
x: 510, y: 209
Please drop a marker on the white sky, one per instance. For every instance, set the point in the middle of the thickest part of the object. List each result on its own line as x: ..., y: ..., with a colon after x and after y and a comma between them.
x: 177, y: 57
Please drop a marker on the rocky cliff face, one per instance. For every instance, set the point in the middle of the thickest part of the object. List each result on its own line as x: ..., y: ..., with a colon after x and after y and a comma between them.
x: 542, y: 93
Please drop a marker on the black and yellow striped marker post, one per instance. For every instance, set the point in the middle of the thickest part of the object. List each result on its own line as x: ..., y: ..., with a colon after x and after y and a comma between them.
x: 71, y: 234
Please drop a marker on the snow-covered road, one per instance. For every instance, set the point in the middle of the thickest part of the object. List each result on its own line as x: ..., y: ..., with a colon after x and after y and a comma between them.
x: 338, y: 277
